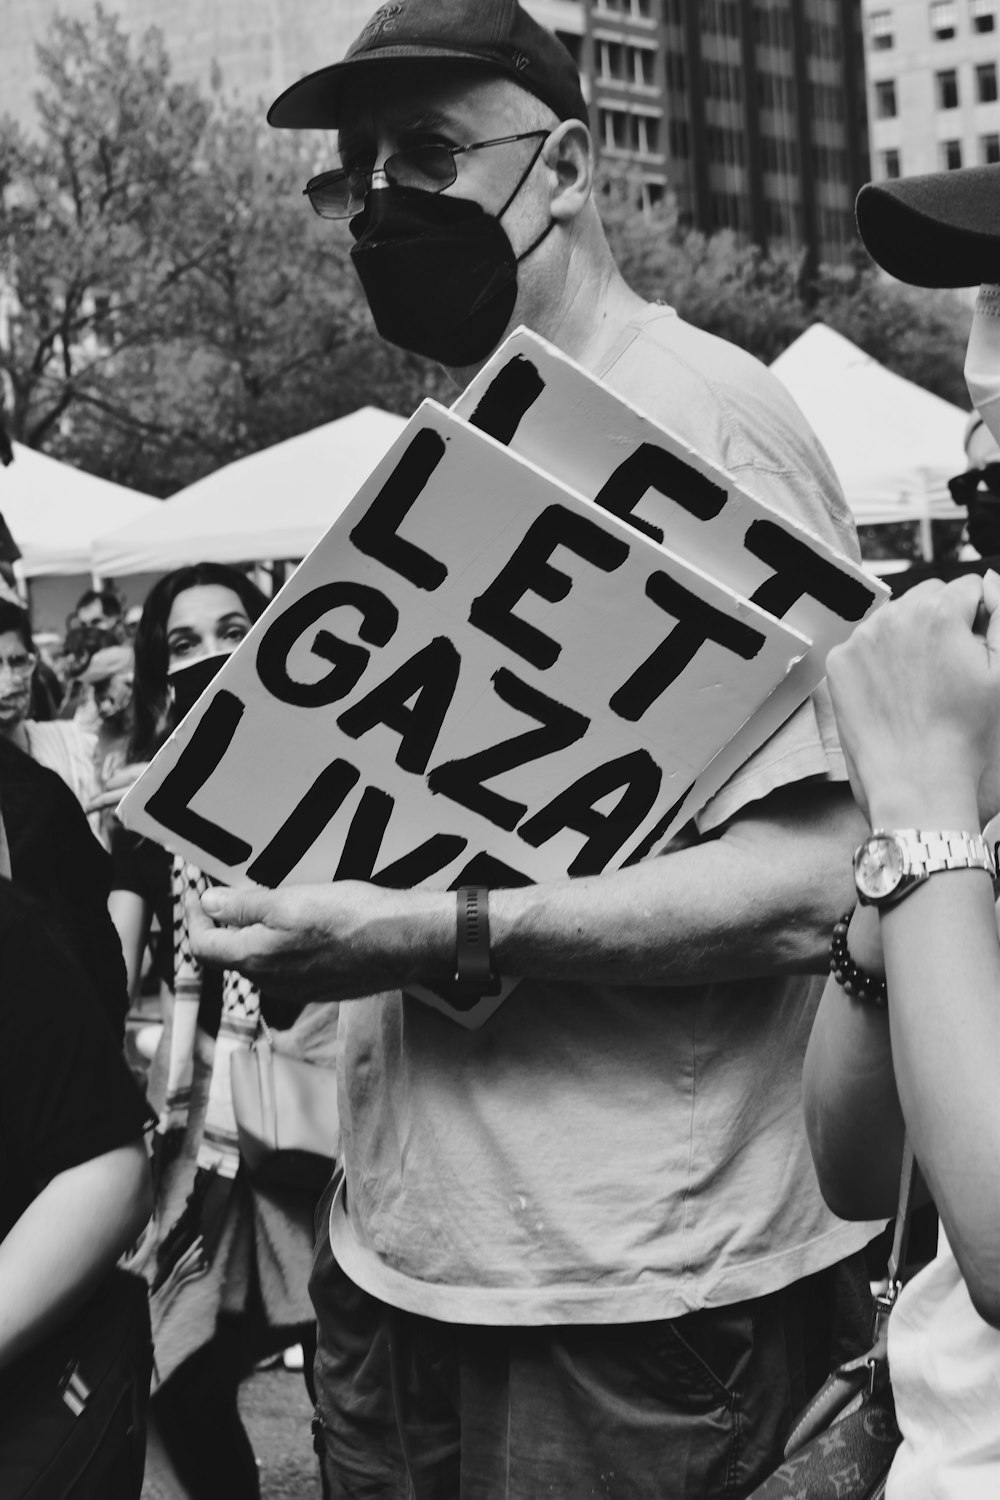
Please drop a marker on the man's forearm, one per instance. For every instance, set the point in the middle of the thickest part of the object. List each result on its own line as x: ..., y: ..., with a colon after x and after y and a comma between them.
x: 761, y: 899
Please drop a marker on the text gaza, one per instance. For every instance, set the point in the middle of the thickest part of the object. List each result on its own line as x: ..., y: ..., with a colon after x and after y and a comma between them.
x: 413, y: 700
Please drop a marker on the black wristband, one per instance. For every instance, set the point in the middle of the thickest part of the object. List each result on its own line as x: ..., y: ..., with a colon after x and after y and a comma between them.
x: 473, y: 963
x: 870, y: 989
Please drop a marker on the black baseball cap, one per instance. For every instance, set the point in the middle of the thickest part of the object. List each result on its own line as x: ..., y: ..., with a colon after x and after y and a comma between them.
x: 495, y: 35
x: 938, y: 230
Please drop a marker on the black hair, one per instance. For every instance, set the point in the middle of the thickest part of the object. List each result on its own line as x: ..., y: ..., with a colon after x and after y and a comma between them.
x: 14, y: 618
x: 111, y: 604
x: 150, y: 688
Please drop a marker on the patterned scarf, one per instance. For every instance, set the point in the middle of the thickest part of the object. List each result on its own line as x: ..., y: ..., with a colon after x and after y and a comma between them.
x: 218, y: 1151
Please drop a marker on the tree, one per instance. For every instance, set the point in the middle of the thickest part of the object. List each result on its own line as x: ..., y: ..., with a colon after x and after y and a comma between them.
x: 92, y: 247
x: 172, y: 303
x: 176, y: 302
x: 758, y: 300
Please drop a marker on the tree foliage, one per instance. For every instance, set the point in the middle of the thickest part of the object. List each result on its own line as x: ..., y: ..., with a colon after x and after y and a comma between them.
x: 168, y: 302
x: 174, y: 302
x: 762, y: 302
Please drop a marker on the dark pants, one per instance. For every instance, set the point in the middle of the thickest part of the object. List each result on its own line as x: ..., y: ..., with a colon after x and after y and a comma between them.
x: 197, y: 1410
x: 683, y: 1409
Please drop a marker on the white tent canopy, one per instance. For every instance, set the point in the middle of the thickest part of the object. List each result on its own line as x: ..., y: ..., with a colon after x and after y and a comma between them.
x: 54, y: 511
x: 270, y: 505
x: 893, y: 444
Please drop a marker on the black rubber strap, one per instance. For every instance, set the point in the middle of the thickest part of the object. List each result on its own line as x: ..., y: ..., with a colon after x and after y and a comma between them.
x: 473, y: 964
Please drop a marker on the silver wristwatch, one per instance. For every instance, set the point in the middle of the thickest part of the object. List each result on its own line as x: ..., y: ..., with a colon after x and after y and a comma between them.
x: 893, y: 862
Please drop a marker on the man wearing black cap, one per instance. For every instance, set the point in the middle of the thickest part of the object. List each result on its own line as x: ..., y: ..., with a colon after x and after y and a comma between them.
x: 574, y: 1252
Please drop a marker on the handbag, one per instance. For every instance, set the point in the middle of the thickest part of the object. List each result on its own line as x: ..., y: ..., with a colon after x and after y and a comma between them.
x: 842, y: 1445
x: 286, y: 1115
x: 73, y: 1410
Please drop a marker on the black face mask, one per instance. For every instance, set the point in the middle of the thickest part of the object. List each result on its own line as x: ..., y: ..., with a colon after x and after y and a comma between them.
x: 439, y: 273
x: 187, y: 683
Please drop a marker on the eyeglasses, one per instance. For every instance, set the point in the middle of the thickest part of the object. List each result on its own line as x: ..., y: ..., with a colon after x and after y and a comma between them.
x: 431, y: 169
x: 975, y: 484
x: 21, y: 665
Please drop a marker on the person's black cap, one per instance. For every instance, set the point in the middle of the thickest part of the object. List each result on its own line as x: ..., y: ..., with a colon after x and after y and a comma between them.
x: 495, y: 35
x: 938, y: 230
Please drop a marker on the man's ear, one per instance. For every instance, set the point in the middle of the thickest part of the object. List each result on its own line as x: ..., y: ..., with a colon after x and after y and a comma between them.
x: 569, y: 155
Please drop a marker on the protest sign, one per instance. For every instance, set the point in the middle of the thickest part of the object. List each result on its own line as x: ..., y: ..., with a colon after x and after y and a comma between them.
x: 549, y: 410
x: 478, y: 676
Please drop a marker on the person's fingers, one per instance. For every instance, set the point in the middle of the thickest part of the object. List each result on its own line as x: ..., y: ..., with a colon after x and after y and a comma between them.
x: 126, y: 776
x: 963, y: 598
x: 238, y: 907
x: 231, y: 947
x: 103, y: 800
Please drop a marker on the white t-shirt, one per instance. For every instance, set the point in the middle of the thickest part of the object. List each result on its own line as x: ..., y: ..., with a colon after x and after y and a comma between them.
x: 68, y: 749
x: 609, y: 1154
x: 945, y: 1366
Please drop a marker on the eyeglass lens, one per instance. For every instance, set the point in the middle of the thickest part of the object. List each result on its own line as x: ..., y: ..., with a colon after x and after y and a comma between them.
x: 983, y: 482
x: 430, y: 168
x: 337, y: 195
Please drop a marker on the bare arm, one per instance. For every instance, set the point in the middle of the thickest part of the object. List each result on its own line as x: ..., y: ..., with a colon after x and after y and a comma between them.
x: 929, y: 758
x: 131, y: 916
x: 760, y: 899
x: 66, y: 1241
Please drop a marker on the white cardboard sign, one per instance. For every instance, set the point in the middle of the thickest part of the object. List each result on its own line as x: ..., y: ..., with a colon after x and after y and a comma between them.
x: 477, y: 676
x: 548, y: 409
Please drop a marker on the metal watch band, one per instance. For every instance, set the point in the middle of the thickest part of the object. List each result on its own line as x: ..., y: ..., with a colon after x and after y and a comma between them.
x: 473, y: 964
x: 930, y: 852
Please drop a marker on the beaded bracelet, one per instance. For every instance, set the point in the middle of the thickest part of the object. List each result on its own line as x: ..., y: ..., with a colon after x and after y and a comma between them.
x: 870, y: 989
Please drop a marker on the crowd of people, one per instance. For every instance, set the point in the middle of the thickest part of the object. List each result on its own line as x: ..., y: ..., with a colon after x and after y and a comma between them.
x: 614, y: 1241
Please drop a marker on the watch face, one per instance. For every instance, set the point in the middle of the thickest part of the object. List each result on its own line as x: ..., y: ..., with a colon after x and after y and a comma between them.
x: 878, y: 866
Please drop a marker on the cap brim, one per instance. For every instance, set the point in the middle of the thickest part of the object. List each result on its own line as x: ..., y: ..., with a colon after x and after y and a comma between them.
x: 314, y: 102
x: 938, y: 230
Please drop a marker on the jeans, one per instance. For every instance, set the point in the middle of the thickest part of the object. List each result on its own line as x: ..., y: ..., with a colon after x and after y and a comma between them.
x: 686, y: 1408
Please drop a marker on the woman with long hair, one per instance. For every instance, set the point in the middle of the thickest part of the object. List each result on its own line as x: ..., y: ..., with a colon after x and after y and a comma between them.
x: 227, y: 1260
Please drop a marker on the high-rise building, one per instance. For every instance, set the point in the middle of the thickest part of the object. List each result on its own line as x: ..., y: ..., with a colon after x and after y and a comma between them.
x: 752, y: 112
x: 934, y: 93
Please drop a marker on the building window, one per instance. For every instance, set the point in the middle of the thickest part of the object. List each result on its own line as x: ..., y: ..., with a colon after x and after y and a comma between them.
x: 890, y: 164
x: 615, y: 131
x: 612, y: 55
x: 944, y: 19
x: 986, y: 83
x: 880, y: 30
x: 643, y: 66
x: 984, y: 15
x: 989, y: 150
x: 885, y: 99
x: 649, y: 135
x: 951, y: 155
x: 946, y: 88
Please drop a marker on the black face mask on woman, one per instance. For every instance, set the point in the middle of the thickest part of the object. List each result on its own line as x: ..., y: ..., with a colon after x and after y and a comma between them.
x: 439, y: 273
x: 188, y: 682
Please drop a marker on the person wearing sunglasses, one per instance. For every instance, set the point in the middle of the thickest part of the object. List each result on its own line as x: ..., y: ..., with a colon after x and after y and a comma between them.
x: 583, y: 1250
x: 977, y: 490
